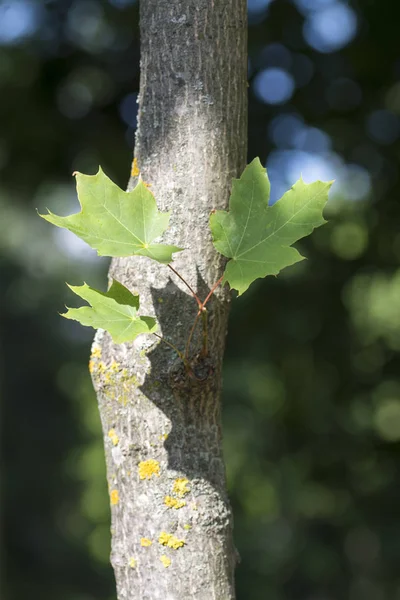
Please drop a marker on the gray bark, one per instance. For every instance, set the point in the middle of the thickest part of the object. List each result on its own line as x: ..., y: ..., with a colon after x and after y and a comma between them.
x: 190, y: 143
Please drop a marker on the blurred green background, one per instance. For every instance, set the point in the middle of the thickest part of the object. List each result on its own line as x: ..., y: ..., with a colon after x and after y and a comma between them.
x: 312, y: 372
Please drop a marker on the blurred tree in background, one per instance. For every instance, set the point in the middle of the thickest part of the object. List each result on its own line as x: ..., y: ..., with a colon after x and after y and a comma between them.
x: 312, y: 376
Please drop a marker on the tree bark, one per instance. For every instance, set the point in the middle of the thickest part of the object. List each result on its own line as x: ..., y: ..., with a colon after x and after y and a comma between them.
x: 162, y: 428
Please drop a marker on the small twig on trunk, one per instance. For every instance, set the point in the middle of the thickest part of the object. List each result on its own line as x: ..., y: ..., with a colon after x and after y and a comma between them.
x: 189, y: 340
x: 179, y: 353
x: 204, y: 316
x: 214, y: 287
x: 203, y: 313
x: 195, y: 296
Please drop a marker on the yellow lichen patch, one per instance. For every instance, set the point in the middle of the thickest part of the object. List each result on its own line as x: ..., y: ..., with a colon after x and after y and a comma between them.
x: 180, y: 487
x: 145, y: 542
x: 135, y: 169
x: 163, y: 437
x: 107, y: 370
x: 114, y: 497
x: 109, y: 374
x: 96, y: 352
x: 148, y: 468
x: 98, y: 366
x: 187, y: 527
x: 132, y: 562
x: 164, y: 537
x: 94, y: 363
x: 109, y: 393
x: 173, y: 502
x: 168, y: 539
x: 129, y: 381
x: 165, y: 561
x: 123, y: 399
x: 113, y: 437
x: 147, y: 185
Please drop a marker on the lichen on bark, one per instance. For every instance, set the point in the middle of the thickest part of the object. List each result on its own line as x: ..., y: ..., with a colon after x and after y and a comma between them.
x: 190, y: 143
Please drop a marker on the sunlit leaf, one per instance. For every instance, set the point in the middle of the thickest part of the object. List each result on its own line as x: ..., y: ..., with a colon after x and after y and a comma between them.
x: 117, y: 223
x: 115, y: 311
x: 258, y: 238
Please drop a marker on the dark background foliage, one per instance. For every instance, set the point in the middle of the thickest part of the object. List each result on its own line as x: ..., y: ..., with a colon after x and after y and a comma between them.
x: 311, y: 383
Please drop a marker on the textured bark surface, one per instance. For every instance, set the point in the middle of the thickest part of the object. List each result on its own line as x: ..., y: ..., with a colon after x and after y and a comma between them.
x: 191, y: 142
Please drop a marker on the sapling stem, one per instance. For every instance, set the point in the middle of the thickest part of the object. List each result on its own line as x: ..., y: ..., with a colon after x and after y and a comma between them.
x: 203, y: 313
x: 179, y: 353
x: 204, y: 316
x: 189, y: 340
x: 183, y: 359
x: 195, y: 296
x: 214, y: 287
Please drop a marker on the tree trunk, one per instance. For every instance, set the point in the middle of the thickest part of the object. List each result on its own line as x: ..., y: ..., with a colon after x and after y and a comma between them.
x: 161, y: 427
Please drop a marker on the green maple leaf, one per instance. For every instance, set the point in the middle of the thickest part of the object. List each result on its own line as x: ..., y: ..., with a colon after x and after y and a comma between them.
x: 115, y: 311
x: 117, y: 223
x: 257, y: 237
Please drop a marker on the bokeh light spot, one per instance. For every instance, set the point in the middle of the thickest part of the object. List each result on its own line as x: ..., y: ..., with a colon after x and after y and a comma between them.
x: 311, y: 166
x: 284, y: 129
x: 312, y: 139
x: 349, y: 240
x: 257, y: 10
x: 355, y: 183
x: 87, y: 27
x: 273, y: 86
x: 307, y: 6
x: 73, y: 247
x: 286, y: 166
x: 331, y: 28
x: 74, y: 99
x: 18, y: 20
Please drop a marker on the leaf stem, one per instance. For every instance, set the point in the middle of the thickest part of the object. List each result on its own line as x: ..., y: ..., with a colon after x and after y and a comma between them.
x: 195, y: 296
x: 204, y: 316
x: 203, y: 313
x: 189, y: 340
x: 179, y: 353
x: 214, y: 287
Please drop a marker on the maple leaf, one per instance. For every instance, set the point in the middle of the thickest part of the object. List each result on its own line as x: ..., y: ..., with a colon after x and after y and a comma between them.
x: 117, y: 223
x: 257, y: 237
x: 114, y: 310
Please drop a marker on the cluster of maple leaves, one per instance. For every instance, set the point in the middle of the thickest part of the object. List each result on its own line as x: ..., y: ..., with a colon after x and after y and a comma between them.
x: 256, y: 237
